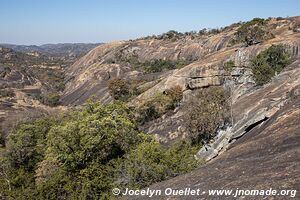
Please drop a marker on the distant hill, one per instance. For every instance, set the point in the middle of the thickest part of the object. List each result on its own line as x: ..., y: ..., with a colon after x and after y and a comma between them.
x: 58, y: 50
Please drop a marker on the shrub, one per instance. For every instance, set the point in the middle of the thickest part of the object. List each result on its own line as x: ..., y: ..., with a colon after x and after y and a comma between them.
x: 279, y: 18
x: 147, y: 112
x: 59, y: 85
x: 206, y: 112
x: 159, y: 104
x: 118, y: 89
x: 159, y: 65
x: 180, y: 157
x: 229, y: 65
x: 150, y: 163
x: 7, y: 93
x: 51, y: 99
x: 72, y: 157
x: 270, y: 62
x: 175, y: 93
x: 214, y: 31
x: 170, y: 35
x: 5, y: 185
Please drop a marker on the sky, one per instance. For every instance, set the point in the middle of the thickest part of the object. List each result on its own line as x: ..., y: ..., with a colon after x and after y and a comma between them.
x: 68, y: 21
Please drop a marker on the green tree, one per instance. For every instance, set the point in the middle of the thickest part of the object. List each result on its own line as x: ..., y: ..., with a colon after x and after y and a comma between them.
x: 85, y: 153
x: 270, y: 62
x: 27, y: 143
x: 51, y: 99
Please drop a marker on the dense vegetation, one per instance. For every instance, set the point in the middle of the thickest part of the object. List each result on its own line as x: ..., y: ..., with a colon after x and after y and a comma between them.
x: 86, y: 153
x: 270, y: 62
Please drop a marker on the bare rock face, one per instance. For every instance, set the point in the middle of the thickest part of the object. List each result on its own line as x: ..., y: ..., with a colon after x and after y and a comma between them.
x: 205, y: 82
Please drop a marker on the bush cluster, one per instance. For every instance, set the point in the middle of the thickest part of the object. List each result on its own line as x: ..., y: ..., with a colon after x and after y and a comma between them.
x: 86, y: 153
x: 6, y: 93
x: 229, y: 65
x: 159, y: 104
x: 270, y: 62
x: 2, y: 139
x: 118, y: 89
x: 175, y: 35
x: 123, y: 90
x: 150, y: 162
x: 206, y: 112
x: 159, y: 65
x: 50, y: 99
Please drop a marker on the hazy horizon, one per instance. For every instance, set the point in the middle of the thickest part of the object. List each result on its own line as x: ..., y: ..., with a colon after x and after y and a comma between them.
x: 36, y: 22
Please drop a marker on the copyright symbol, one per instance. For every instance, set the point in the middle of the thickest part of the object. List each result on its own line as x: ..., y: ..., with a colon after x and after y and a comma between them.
x: 116, y: 191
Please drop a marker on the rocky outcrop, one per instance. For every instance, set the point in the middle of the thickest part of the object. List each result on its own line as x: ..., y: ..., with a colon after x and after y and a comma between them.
x: 89, y: 76
x: 265, y: 121
x: 263, y: 138
x: 87, y: 73
x: 266, y: 157
x: 255, y: 108
x: 252, y: 107
x: 207, y: 54
x: 22, y: 107
x: 208, y: 72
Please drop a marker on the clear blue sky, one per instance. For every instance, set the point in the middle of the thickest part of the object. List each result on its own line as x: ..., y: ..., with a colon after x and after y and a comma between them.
x: 56, y: 21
